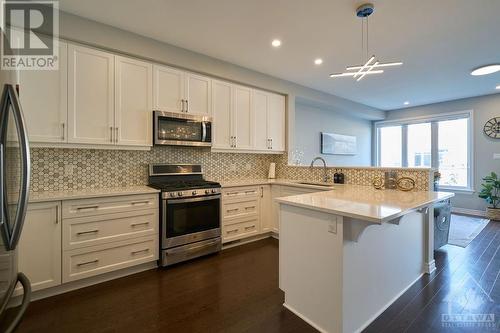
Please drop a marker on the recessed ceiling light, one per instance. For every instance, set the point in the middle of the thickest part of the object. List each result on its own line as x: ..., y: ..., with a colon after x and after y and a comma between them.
x: 406, y: 103
x: 484, y: 70
x: 276, y: 43
x: 318, y: 61
x: 498, y: 87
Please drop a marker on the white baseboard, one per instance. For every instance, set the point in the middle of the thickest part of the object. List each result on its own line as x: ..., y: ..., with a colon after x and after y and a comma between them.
x: 304, y: 318
x: 465, y: 211
x: 430, y: 267
x: 74, y: 285
x: 242, y: 241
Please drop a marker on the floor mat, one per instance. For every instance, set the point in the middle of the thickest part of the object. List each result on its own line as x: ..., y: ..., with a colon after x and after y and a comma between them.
x: 463, y: 229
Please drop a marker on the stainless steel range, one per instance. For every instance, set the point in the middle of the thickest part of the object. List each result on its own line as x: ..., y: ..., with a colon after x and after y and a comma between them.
x: 190, y: 213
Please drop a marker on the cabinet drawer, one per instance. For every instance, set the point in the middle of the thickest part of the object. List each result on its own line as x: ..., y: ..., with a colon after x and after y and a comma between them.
x: 238, y: 209
x: 86, y: 262
x: 240, y: 230
x: 240, y: 193
x: 108, y: 205
x: 102, y: 229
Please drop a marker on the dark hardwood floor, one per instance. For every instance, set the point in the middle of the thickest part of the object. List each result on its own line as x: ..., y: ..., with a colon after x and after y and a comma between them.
x: 234, y: 291
x: 237, y: 291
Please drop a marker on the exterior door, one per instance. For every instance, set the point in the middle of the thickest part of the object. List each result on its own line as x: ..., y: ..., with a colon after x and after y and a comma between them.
x: 133, y: 102
x: 90, y: 96
x: 168, y: 87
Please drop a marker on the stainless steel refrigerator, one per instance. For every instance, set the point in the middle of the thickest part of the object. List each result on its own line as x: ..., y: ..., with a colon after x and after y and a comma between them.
x: 14, y: 191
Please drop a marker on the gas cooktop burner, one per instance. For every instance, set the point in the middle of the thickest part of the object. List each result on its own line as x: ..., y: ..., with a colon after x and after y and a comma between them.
x: 183, y: 185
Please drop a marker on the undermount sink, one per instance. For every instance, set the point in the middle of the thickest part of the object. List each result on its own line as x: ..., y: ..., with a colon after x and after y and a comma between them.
x: 317, y: 184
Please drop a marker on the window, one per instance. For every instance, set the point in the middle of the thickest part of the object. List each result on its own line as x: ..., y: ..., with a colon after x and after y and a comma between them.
x: 391, y: 140
x: 443, y: 142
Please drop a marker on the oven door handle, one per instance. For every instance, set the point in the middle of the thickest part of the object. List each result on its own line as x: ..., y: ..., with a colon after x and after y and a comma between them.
x: 179, y: 201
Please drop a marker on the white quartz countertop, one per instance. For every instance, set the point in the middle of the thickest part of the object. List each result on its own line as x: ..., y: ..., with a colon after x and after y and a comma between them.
x: 89, y: 193
x: 365, y: 202
x: 287, y: 182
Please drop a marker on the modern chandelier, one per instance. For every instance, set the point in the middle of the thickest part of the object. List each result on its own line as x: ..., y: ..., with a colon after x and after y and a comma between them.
x: 372, y: 65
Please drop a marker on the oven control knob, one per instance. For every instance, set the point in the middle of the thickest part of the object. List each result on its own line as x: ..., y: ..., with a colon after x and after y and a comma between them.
x: 214, y: 191
x: 172, y: 194
x: 194, y: 193
x: 207, y: 191
x: 179, y: 194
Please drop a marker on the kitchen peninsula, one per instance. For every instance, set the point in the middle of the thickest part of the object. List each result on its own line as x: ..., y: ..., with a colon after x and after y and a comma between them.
x: 346, y: 254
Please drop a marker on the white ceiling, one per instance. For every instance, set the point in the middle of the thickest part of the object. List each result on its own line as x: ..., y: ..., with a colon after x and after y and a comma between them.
x: 438, y: 41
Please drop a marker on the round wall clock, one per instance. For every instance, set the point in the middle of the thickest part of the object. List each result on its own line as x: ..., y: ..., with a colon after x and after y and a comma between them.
x: 492, y: 128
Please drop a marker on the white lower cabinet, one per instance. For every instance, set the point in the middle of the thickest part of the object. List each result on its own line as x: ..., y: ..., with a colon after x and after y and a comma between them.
x: 39, y: 249
x: 266, y: 208
x: 101, y: 235
x: 91, y: 261
x: 64, y: 241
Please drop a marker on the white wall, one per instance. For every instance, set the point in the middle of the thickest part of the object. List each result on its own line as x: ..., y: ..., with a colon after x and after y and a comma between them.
x: 484, y: 108
x: 310, y: 121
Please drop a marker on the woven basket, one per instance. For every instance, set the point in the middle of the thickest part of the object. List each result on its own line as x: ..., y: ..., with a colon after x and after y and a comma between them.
x: 493, y: 213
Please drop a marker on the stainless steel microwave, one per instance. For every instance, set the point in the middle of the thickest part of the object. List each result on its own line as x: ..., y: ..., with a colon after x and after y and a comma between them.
x: 174, y: 129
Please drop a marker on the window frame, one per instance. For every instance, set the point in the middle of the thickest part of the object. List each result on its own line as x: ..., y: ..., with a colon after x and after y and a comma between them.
x: 433, y: 120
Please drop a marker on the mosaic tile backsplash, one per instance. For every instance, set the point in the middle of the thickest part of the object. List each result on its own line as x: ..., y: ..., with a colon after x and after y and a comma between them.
x: 56, y: 169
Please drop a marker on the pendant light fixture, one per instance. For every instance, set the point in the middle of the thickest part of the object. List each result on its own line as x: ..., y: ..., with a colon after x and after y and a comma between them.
x: 371, y: 65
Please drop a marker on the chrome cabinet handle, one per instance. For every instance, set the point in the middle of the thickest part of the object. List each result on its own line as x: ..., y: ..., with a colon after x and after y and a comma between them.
x: 87, y: 232
x: 249, y: 228
x: 63, y: 135
x: 249, y: 207
x: 145, y: 202
x: 232, y: 193
x: 138, y: 224
x: 231, y: 231
x: 261, y: 192
x: 95, y: 261
x: 139, y: 251
x: 248, y: 192
x: 232, y: 210
x: 187, y: 105
x: 87, y: 207
x: 111, y: 133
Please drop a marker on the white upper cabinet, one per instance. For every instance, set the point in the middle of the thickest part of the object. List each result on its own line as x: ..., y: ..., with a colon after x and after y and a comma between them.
x: 222, y: 104
x: 43, y: 96
x: 198, y: 94
x: 178, y: 91
x: 276, y: 127
x: 133, y: 102
x: 168, y: 85
x: 242, y: 121
x: 90, y: 96
x: 260, y: 107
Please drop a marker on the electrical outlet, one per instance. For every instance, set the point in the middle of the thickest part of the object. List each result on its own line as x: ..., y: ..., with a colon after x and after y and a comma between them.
x: 68, y: 169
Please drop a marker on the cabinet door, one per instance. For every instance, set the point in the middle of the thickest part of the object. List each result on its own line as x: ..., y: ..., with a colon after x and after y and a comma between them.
x: 133, y: 102
x: 90, y: 96
x: 266, y: 214
x: 276, y: 122
x: 243, y: 119
x: 275, y: 209
x: 39, y: 250
x: 222, y: 109
x: 198, y: 94
x: 168, y: 89
x: 260, y: 102
x: 43, y: 96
